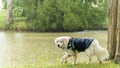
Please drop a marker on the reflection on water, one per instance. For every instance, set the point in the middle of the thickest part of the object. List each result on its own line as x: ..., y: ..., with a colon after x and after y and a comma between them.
x: 3, y: 48
x: 9, y: 48
x: 19, y: 48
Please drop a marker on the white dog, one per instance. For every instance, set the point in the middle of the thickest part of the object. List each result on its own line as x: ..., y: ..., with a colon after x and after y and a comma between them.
x: 72, y: 46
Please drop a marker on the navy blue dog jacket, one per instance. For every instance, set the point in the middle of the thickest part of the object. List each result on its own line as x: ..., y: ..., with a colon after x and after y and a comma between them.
x: 79, y: 44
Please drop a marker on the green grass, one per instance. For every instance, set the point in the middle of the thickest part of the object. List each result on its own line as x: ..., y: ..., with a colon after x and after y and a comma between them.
x: 39, y: 51
x: 18, y: 25
x: 80, y: 65
x: 3, y: 16
x: 83, y: 65
x: 3, y: 19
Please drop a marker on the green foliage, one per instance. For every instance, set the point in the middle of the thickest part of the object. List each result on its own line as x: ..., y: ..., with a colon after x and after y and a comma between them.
x: 17, y: 12
x: 62, y: 15
x: 2, y: 25
x: 5, y: 4
x: 2, y: 19
x: 19, y: 26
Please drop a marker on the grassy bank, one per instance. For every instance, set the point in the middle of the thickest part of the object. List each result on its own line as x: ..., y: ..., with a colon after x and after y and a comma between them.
x: 19, y: 23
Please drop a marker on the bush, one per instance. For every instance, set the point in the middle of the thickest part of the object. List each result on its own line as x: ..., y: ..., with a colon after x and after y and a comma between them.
x: 65, y: 15
x: 2, y: 25
x: 19, y: 26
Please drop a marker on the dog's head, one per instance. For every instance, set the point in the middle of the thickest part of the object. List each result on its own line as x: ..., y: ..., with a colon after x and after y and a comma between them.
x: 61, y: 42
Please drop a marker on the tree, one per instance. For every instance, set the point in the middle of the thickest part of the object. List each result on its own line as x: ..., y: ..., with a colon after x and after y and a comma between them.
x: 117, y: 56
x: 114, y: 30
x: 61, y: 15
x: 9, y: 12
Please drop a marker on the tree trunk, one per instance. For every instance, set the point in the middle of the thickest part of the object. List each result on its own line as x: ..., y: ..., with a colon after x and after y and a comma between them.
x: 112, y: 28
x: 9, y: 12
x: 117, y: 56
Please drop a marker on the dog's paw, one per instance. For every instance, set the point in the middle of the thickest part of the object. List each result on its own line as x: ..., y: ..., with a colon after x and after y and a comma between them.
x: 74, y: 63
x: 100, y: 62
x: 65, y: 61
x: 88, y: 63
x: 61, y: 61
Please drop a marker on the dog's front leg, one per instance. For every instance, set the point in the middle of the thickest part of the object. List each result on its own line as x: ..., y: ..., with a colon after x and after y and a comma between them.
x: 64, y: 58
x: 74, y: 58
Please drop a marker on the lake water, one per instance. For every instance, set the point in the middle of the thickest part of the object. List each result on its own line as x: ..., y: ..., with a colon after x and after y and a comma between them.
x: 21, y: 48
x: 28, y: 48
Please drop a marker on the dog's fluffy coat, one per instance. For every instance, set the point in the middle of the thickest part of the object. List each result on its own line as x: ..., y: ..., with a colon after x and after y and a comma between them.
x: 93, y: 49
